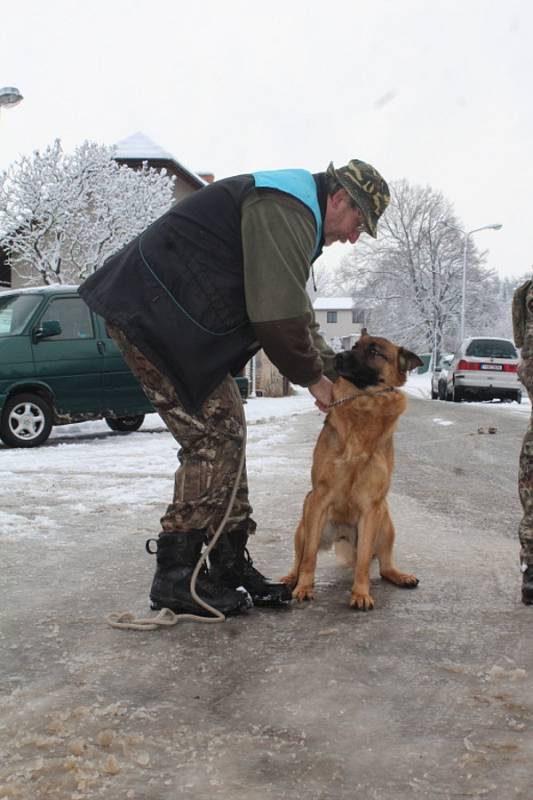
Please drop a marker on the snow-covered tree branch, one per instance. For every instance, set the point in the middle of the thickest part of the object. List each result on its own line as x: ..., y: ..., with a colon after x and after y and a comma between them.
x: 62, y: 215
x: 411, y: 276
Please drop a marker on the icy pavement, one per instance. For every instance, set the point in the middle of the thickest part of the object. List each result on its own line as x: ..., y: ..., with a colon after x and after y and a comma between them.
x: 427, y: 696
x: 134, y: 471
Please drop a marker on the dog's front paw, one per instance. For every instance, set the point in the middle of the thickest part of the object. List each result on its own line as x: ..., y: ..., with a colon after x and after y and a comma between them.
x: 289, y: 580
x: 304, y: 591
x: 362, y: 601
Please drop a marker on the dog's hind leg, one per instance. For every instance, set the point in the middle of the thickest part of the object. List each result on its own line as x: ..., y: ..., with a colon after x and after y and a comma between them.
x: 310, y: 531
x: 384, y: 547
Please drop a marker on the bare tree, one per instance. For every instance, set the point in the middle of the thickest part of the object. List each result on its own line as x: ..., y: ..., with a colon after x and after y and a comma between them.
x: 327, y: 282
x: 494, y: 300
x: 411, y: 276
x: 62, y: 215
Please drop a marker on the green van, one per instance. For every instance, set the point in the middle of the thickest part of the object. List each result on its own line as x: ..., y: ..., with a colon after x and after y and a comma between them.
x: 58, y: 365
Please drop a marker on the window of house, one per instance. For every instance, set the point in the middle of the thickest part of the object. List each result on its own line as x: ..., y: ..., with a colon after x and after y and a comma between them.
x: 331, y: 316
x: 358, y: 315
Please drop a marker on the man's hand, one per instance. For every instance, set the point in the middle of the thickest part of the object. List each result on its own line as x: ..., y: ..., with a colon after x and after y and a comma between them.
x: 323, y: 393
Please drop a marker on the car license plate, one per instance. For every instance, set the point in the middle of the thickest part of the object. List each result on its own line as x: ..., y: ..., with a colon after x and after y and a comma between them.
x: 492, y: 366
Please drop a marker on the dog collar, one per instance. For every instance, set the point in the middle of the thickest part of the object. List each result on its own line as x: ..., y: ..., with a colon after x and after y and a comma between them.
x: 357, y: 396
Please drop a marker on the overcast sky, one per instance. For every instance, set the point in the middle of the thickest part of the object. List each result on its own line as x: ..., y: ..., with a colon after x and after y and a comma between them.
x: 435, y: 92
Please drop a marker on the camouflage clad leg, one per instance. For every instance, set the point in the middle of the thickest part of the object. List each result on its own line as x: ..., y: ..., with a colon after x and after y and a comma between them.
x: 211, y: 444
x: 522, y: 314
x: 525, y: 473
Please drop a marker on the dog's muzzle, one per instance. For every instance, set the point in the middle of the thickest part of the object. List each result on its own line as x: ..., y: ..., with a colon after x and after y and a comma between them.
x: 342, y: 360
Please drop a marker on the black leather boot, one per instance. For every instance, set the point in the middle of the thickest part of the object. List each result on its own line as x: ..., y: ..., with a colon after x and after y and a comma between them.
x: 177, y: 555
x: 527, y: 585
x: 231, y: 565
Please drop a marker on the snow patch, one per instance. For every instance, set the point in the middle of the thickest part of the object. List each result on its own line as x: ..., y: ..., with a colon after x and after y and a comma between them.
x: 13, y: 527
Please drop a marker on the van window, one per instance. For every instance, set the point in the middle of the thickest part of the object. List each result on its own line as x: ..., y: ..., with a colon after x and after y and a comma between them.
x: 491, y: 348
x: 74, y: 317
x: 15, y: 311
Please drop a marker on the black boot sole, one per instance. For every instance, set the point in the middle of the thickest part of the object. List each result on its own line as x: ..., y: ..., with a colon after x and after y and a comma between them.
x: 280, y: 597
x: 156, y: 604
x: 271, y: 602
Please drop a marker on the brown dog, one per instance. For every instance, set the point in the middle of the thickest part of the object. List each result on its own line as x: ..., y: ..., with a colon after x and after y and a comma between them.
x: 352, y: 467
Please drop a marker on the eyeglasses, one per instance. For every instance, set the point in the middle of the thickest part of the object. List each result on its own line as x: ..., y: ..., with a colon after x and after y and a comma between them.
x: 362, y: 227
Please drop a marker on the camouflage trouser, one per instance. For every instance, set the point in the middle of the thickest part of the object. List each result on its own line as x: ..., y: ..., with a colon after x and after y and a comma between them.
x: 211, y: 444
x: 525, y: 473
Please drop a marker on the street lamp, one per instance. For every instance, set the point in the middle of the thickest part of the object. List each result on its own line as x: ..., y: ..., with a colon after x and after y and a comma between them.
x: 9, y: 97
x: 494, y: 227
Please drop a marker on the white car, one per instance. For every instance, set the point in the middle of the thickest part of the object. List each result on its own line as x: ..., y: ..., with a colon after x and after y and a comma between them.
x: 484, y: 368
x: 438, y: 377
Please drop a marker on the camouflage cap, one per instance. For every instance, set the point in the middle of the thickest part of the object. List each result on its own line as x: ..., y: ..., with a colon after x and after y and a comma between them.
x: 366, y: 187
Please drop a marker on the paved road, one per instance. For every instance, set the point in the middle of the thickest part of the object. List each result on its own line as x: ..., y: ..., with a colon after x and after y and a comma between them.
x: 430, y: 695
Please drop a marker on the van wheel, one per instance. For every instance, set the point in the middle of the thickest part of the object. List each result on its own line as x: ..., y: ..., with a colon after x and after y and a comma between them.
x: 26, y: 421
x: 125, y: 424
x: 518, y: 397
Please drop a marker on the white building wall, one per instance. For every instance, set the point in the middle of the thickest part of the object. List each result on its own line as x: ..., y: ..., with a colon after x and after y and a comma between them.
x: 342, y: 327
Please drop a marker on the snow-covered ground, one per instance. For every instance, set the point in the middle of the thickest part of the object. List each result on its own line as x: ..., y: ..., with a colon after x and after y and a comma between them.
x: 258, y: 411
x: 137, y: 468
x: 262, y: 410
x: 140, y: 466
x: 423, y: 698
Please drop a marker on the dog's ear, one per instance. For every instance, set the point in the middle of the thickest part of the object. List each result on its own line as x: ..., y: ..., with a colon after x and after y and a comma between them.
x: 364, y: 332
x: 407, y: 360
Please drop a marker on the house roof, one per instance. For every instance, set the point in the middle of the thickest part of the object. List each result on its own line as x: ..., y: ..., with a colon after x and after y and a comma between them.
x: 333, y: 304
x: 139, y: 147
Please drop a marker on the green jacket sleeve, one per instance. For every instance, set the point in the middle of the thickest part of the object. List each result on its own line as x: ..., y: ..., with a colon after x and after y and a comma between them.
x: 278, y: 239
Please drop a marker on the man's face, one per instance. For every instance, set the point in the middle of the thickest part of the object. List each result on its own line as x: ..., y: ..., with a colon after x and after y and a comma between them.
x: 342, y: 223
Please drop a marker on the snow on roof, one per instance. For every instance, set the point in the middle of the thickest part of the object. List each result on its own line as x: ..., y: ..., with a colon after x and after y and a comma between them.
x: 141, y: 147
x: 138, y: 145
x: 333, y: 304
